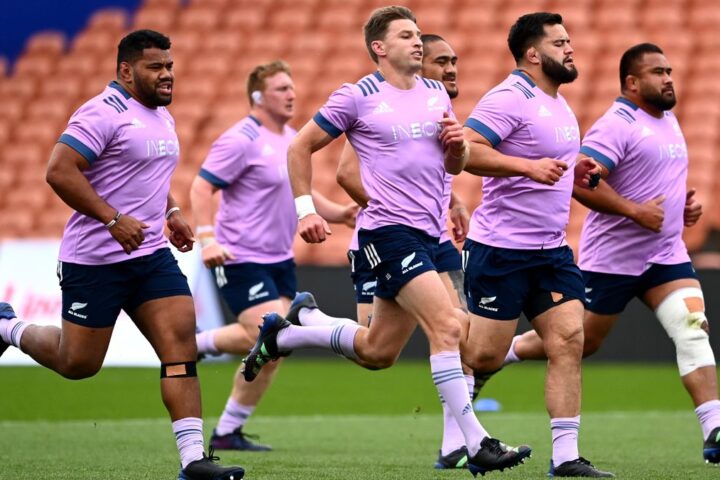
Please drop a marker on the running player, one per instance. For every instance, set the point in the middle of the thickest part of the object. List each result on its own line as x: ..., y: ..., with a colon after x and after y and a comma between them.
x: 516, y: 258
x: 402, y: 128
x: 250, y: 246
x: 113, y: 165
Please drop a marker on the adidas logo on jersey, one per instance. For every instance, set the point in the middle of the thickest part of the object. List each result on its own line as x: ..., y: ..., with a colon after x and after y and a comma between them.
x: 544, y: 112
x: 137, y: 123
x: 267, y: 150
x: 383, y: 107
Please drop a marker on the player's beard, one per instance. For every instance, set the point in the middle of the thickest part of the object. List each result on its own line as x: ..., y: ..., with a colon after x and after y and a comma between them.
x: 659, y: 101
x: 149, y: 94
x: 557, y: 72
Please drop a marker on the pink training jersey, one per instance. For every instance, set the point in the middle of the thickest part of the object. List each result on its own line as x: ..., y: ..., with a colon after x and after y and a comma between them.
x: 395, y: 135
x: 647, y: 157
x: 256, y: 221
x: 132, y: 151
x: 521, y: 120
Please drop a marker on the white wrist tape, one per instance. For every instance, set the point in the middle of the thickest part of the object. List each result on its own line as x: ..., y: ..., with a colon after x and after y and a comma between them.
x: 304, y: 206
x: 204, y: 229
x: 170, y: 212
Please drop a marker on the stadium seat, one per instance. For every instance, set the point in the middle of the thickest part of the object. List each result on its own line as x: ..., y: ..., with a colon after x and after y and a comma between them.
x: 291, y: 19
x: 245, y: 20
x: 16, y: 223
x: 82, y: 64
x: 109, y: 20
x: 204, y: 18
x: 46, y: 43
x: 36, y: 65
x: 158, y: 18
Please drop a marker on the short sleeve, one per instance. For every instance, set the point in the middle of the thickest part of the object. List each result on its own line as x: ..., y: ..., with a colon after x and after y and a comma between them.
x: 496, y: 115
x: 606, y: 140
x: 339, y: 112
x: 90, y: 129
x: 226, y: 160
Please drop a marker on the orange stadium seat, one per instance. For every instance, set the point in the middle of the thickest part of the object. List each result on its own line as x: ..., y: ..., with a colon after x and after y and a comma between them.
x: 476, y: 18
x: 46, y: 43
x: 109, y: 20
x: 227, y: 42
x: 200, y: 17
x: 245, y: 20
x: 96, y: 42
x: 705, y: 14
x: 434, y: 17
x: 35, y: 65
x: 158, y: 18
x: 18, y: 89
x: 342, y: 18
x: 83, y: 64
x: 16, y: 223
x: 292, y: 19
x: 165, y: 4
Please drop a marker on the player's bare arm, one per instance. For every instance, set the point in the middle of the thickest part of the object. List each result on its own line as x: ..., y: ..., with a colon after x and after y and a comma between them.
x: 348, y: 176
x: 311, y: 138
x: 460, y: 218
x: 201, y: 199
x: 605, y: 199
x: 64, y: 174
x: 485, y: 161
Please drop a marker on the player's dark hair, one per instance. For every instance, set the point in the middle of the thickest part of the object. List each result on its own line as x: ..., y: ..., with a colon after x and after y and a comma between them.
x: 631, y: 58
x: 430, y: 38
x: 377, y: 25
x: 132, y: 45
x: 528, y: 29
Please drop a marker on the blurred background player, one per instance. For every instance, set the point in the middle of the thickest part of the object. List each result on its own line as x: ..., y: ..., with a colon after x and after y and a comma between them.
x: 516, y: 258
x: 439, y: 63
x: 249, y: 248
x: 631, y: 244
x: 113, y: 165
x: 401, y: 127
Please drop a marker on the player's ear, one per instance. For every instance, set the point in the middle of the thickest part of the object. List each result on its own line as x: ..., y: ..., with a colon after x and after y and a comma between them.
x: 124, y: 72
x: 532, y: 56
x: 378, y: 47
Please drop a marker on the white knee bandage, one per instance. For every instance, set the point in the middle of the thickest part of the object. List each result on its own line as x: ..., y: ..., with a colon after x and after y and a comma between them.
x: 682, y: 314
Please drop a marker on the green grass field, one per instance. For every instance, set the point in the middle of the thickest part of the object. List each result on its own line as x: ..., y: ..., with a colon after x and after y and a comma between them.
x: 330, y: 420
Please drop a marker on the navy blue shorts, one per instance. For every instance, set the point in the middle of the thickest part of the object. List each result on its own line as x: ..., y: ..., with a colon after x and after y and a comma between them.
x: 244, y: 285
x: 93, y: 295
x: 609, y: 293
x: 363, y: 278
x: 500, y: 283
x: 448, y: 258
x: 397, y: 254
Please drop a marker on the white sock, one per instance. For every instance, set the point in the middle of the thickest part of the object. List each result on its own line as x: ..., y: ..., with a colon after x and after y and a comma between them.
x: 511, y: 356
x: 234, y: 416
x: 206, y: 342
x: 451, y: 384
x: 313, y: 317
x: 340, y: 338
x: 189, y: 438
x: 11, y: 331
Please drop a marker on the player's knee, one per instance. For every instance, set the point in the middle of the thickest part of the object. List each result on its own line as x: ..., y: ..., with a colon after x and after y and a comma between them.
x: 379, y: 360
x: 566, y: 342
x: 445, y: 331
x: 483, y: 360
x: 682, y: 315
x: 79, y: 369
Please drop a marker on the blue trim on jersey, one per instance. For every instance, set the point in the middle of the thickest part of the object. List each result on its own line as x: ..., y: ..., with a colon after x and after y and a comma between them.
x: 526, y: 91
x: 120, y: 89
x: 249, y: 132
x: 214, y: 180
x: 625, y: 115
x: 329, y: 128
x: 114, y: 101
x: 362, y: 89
x: 367, y: 81
x: 599, y: 157
x: 107, y: 102
x: 627, y: 102
x: 483, y: 130
x: 524, y: 76
x: 254, y: 119
x: 379, y: 76
x: 78, y: 146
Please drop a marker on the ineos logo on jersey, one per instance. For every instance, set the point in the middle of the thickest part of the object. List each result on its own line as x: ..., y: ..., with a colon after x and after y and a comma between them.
x: 673, y: 151
x: 567, y: 133
x: 160, y: 148
x: 415, y: 130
